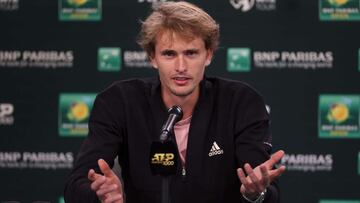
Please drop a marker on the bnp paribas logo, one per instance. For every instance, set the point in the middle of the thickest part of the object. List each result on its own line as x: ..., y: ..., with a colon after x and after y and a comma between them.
x: 74, y: 112
x: 339, y: 201
x: 338, y: 116
x: 109, y: 59
x: 238, y: 59
x: 343, y: 10
x: 79, y: 10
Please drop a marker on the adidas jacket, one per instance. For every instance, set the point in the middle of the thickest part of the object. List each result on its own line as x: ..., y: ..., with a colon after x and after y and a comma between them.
x: 229, y: 127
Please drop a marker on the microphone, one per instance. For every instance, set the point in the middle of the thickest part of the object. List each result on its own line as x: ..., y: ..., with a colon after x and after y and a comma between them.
x: 175, y: 115
x: 163, y: 153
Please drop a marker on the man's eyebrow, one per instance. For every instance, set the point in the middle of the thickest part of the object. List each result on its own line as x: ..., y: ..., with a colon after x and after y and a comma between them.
x: 167, y: 51
x: 192, y: 50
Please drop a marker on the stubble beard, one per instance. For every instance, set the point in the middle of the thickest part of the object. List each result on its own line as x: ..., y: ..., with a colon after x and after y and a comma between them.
x: 182, y: 94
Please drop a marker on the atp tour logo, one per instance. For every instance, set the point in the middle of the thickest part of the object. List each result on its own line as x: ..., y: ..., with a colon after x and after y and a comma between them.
x: 166, y: 159
x: 244, y: 5
x: 6, y: 111
x: 9, y: 5
x: 247, y: 5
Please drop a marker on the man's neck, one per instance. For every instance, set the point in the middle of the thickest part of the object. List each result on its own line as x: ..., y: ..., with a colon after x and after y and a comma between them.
x: 186, y: 103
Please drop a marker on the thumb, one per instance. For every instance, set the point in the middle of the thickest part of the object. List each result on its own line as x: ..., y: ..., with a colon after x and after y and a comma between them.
x: 105, y: 169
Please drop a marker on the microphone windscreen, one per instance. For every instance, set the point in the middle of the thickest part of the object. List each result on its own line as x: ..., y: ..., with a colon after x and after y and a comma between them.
x: 177, y: 111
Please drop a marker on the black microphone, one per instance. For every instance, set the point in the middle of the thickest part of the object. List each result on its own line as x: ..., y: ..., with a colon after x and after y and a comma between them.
x: 163, y: 153
x: 175, y: 114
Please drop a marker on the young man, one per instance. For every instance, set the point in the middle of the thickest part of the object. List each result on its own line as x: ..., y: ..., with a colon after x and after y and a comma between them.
x: 225, y: 125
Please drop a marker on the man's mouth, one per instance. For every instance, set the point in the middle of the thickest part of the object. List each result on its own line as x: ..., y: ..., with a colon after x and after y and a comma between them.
x: 181, y: 80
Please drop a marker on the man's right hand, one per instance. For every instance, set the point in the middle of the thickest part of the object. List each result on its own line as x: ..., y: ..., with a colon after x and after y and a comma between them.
x: 108, y: 187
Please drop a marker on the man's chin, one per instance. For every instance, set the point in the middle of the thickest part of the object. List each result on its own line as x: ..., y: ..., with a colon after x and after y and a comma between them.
x: 182, y: 93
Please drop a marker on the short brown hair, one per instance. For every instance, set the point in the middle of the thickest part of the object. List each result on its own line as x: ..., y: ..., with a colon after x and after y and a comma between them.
x: 182, y: 18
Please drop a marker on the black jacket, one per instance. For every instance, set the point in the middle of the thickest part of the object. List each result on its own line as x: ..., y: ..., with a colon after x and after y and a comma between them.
x: 128, y: 116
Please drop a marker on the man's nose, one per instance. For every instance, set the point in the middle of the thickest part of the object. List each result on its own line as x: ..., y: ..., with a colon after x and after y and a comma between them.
x: 181, y: 65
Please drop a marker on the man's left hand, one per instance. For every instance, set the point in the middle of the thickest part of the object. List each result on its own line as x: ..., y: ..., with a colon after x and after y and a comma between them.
x: 258, y: 179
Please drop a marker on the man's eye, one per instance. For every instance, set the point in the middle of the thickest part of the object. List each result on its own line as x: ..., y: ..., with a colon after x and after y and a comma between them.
x: 191, y: 53
x: 168, y: 53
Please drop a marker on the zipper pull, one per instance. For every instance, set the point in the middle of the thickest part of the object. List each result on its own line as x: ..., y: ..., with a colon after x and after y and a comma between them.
x: 183, y: 172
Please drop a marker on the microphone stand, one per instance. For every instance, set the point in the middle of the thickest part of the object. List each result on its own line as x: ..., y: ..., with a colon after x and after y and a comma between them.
x: 165, y: 179
x: 165, y: 185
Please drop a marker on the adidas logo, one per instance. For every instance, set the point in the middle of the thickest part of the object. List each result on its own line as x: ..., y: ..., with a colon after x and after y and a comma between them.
x: 215, y: 150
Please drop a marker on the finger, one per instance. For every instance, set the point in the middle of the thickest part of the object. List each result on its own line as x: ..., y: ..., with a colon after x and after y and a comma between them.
x: 241, y: 175
x: 92, y: 175
x: 253, y: 177
x: 107, y: 189
x: 265, y: 177
x: 245, y: 182
x: 98, y: 183
x: 117, y: 198
x: 277, y: 172
x: 276, y: 157
x: 105, y: 169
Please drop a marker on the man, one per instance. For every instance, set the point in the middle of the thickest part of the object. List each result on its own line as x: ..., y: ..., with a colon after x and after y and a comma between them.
x: 225, y: 125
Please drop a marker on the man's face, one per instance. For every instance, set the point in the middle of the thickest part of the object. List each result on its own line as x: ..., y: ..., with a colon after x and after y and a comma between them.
x: 181, y: 64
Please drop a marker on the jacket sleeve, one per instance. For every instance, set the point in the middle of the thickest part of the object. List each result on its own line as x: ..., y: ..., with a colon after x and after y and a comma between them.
x: 253, y: 137
x: 104, y: 141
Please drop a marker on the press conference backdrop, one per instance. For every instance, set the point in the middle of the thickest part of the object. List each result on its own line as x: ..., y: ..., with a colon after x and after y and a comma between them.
x: 302, y: 55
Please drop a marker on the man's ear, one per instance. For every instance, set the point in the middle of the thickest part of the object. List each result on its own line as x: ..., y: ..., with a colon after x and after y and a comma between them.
x: 153, y: 62
x: 207, y: 62
x: 210, y: 54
